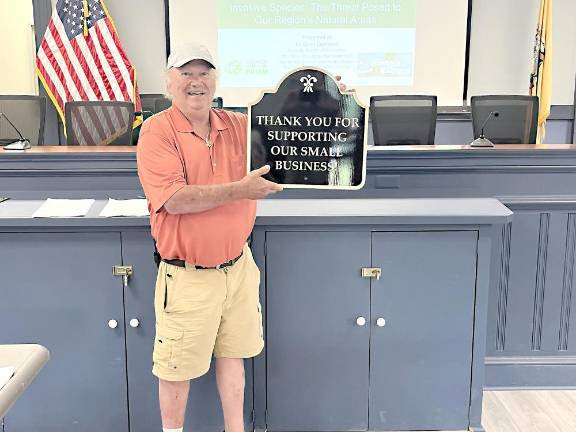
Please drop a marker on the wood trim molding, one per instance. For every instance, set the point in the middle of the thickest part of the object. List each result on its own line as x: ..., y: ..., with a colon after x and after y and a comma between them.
x: 540, y: 281
x: 567, y: 283
x: 503, y: 287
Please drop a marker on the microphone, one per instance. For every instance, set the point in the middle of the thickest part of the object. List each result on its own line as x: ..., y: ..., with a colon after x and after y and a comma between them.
x: 482, y: 141
x: 19, y: 144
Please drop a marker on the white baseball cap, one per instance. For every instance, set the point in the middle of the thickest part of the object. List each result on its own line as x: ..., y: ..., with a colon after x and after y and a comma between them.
x: 185, y: 53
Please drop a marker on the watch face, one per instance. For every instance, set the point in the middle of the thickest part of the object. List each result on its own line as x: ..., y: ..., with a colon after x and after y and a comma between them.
x: 311, y: 134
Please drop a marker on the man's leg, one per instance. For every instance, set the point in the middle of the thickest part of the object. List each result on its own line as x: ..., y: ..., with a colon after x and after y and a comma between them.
x: 230, y: 379
x: 173, y: 396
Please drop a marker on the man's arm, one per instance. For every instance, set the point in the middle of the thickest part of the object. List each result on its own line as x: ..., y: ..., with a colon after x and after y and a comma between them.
x: 196, y: 199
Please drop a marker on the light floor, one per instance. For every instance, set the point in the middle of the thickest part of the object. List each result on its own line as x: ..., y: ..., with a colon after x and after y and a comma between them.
x: 529, y: 411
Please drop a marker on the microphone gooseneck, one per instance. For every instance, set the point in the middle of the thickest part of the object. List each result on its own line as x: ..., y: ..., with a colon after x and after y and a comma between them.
x: 21, y: 143
x: 492, y: 113
x: 13, y: 127
x: 482, y: 141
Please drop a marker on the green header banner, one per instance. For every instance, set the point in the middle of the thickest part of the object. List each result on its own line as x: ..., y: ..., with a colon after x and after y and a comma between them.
x: 263, y: 14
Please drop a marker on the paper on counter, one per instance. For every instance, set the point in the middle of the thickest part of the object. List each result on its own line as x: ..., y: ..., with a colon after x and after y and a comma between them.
x: 129, y: 207
x: 5, y: 374
x: 64, y: 208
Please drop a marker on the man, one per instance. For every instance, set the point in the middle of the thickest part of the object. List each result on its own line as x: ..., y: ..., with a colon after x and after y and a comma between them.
x: 192, y: 166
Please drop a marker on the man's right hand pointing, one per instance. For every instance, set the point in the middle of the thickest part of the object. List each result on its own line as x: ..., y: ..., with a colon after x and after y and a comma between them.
x: 253, y: 186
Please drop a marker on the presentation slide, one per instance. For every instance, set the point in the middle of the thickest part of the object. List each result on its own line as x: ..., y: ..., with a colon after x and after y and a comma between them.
x: 377, y: 46
x: 333, y: 36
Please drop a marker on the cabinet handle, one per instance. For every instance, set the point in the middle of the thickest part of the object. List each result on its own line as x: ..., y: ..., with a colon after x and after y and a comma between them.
x: 371, y: 272
x: 360, y: 321
x: 124, y: 271
x: 134, y: 322
x: 112, y: 323
x: 380, y: 322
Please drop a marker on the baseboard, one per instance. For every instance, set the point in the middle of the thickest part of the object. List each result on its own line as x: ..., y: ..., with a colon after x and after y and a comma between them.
x: 509, y: 373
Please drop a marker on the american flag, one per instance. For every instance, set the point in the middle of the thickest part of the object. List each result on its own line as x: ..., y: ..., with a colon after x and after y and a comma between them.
x: 81, y: 58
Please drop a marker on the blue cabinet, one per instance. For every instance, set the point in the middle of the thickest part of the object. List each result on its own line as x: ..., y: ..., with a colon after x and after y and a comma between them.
x: 350, y: 353
x: 58, y: 290
x: 317, y: 357
x: 421, y: 330
x: 343, y: 351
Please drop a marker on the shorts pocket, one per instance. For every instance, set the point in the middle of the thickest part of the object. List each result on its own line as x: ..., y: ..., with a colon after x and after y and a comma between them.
x: 168, y: 348
x: 170, y: 288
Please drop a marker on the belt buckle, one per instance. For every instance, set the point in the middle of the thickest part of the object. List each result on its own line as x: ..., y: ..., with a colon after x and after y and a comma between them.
x: 227, y: 264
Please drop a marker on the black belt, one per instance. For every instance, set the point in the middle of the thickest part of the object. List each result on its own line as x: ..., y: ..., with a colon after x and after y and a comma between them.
x: 182, y: 263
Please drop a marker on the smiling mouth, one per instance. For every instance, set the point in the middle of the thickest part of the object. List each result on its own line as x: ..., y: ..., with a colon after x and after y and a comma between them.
x: 191, y: 93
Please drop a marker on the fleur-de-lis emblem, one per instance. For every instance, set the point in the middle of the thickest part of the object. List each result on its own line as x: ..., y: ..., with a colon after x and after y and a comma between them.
x: 308, y: 83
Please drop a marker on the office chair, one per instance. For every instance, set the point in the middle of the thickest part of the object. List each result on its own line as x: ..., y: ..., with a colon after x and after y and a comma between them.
x: 517, y: 122
x: 403, y: 119
x: 161, y: 104
x: 148, y: 101
x: 98, y: 123
x: 27, y: 113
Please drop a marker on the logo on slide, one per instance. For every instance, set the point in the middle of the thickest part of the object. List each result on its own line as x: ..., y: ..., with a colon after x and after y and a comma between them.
x: 308, y: 83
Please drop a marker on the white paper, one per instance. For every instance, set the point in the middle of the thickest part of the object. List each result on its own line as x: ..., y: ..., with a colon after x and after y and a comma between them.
x: 129, y: 207
x: 64, y: 208
x: 5, y: 374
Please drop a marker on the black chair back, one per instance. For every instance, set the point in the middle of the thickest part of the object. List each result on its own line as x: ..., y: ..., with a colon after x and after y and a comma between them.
x: 27, y: 113
x: 148, y: 101
x: 517, y: 122
x: 162, y: 104
x: 403, y: 119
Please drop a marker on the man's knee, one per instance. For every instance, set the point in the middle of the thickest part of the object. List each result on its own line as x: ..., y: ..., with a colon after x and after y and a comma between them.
x: 173, y: 390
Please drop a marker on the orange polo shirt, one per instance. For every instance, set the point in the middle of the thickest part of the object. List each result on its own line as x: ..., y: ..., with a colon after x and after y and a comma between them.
x: 171, y: 156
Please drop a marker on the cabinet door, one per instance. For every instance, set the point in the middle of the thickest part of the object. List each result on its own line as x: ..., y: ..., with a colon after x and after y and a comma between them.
x: 317, y: 356
x: 58, y: 291
x: 420, y: 360
x: 204, y: 413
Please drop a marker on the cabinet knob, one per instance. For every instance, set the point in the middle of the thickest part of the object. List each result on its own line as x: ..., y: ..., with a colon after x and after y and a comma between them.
x: 380, y: 322
x: 134, y: 322
x: 360, y: 321
x: 112, y: 323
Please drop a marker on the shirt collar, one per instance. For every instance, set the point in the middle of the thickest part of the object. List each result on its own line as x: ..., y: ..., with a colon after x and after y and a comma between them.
x: 182, y: 124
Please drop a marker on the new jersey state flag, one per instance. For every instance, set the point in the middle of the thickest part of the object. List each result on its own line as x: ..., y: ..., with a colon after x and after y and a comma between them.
x: 541, y: 76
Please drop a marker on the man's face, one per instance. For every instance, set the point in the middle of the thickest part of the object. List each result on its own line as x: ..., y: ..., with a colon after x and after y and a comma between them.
x: 192, y: 86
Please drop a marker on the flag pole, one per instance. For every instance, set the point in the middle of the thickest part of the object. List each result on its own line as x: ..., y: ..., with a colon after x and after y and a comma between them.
x: 85, y: 17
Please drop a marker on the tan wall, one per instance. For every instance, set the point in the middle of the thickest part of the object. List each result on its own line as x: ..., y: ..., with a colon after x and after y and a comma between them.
x: 17, y: 51
x: 500, y: 57
x: 501, y: 47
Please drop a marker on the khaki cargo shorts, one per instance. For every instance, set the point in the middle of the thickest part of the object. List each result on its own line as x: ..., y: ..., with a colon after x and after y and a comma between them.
x: 200, y: 312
